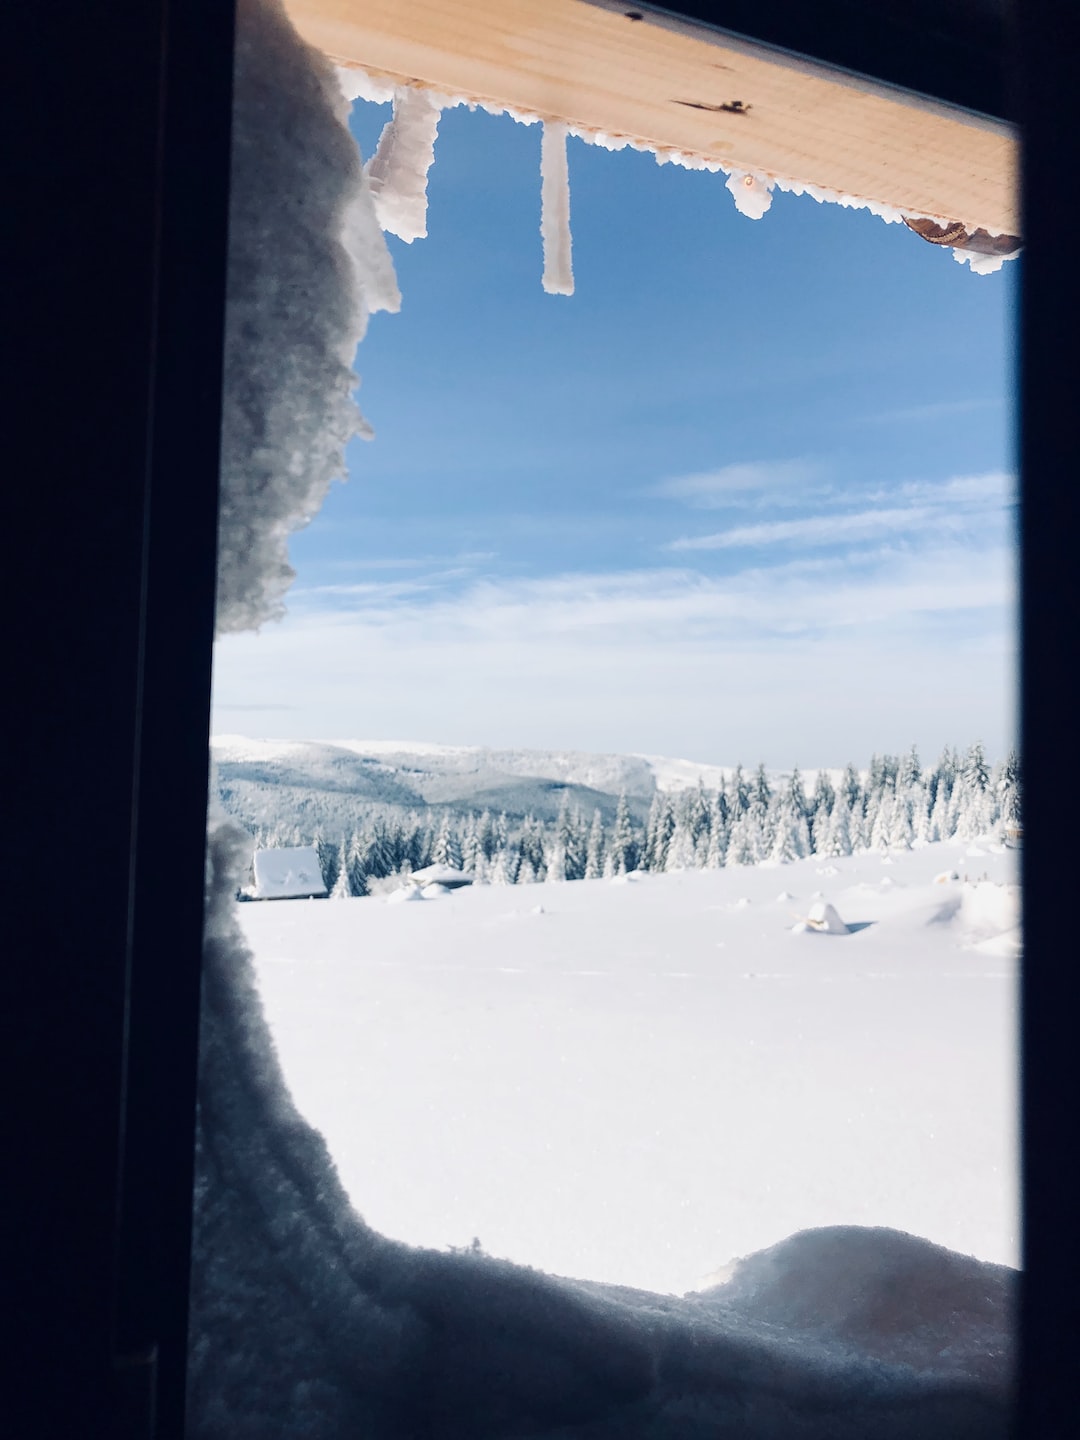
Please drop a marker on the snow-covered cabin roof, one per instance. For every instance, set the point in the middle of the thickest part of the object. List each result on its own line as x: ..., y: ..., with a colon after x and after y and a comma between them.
x: 288, y: 874
x: 707, y: 100
x: 445, y: 875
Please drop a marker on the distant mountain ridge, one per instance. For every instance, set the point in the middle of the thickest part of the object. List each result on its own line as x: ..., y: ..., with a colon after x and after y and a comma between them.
x: 425, y: 764
x: 324, y: 785
x: 321, y: 783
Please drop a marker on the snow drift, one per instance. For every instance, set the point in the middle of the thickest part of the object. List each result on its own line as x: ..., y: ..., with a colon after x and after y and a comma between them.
x: 305, y: 1321
x: 307, y: 265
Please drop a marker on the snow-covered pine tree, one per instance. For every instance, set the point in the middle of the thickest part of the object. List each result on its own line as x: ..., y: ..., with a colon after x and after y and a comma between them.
x: 555, y: 861
x: 880, y: 827
x: 796, y: 793
x: 945, y: 775
x: 741, y: 849
x: 975, y: 769
x: 447, y: 847
x: 1009, y: 791
x: 658, y: 832
x: 851, y: 788
x: 937, y: 825
x: 836, y: 840
x: 901, y: 832
x: 910, y: 770
x: 569, y: 841
x: 719, y: 831
x: 681, y: 850
x: 485, y: 835
x: 327, y: 851
x: 820, y: 809
x: 760, y: 791
x: 342, y: 889
x: 919, y: 805
x: 622, y: 846
x: 358, y: 852
x: 531, y: 847
x: 594, y: 850
x: 738, y: 794
x: 382, y: 858
x: 785, y: 845
x: 503, y: 868
x: 471, y: 853
x: 695, y: 806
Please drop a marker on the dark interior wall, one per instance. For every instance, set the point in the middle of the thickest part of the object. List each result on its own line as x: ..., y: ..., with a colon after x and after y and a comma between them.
x: 116, y: 139
x: 116, y: 202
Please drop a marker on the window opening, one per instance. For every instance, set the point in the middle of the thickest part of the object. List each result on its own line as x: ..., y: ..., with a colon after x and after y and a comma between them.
x: 618, y: 887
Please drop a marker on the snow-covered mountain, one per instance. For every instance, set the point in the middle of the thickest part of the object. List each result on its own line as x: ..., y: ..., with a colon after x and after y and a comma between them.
x: 319, y: 781
x: 431, y: 769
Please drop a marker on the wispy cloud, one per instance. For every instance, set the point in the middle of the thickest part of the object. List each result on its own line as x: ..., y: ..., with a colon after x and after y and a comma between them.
x: 734, y: 484
x: 360, y: 564
x: 950, y: 507
x: 380, y: 590
x: 938, y: 410
x: 629, y: 660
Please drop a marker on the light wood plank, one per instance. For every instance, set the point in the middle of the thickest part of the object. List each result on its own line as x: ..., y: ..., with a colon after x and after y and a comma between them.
x: 594, y: 68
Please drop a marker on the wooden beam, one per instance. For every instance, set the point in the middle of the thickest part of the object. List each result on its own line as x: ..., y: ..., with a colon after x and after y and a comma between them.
x: 674, y: 89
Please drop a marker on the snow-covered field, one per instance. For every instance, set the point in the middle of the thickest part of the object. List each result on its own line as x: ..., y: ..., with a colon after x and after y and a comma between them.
x: 639, y: 1080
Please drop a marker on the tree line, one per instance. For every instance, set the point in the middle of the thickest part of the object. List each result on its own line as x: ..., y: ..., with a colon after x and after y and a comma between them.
x: 898, y: 804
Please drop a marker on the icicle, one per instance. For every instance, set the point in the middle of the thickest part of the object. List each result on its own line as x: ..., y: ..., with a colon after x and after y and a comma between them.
x: 753, y: 193
x: 555, y: 210
x: 983, y: 264
x: 397, y: 172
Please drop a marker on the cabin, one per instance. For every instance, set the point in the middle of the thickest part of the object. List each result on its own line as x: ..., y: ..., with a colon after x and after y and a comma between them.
x: 288, y: 874
x: 445, y: 875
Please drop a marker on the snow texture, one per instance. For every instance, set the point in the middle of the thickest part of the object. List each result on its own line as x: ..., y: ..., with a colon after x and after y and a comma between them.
x: 983, y: 264
x: 306, y: 1322
x: 636, y: 1079
x: 753, y: 193
x: 307, y: 265
x: 288, y: 873
x: 397, y: 172
x: 358, y: 84
x: 555, y: 210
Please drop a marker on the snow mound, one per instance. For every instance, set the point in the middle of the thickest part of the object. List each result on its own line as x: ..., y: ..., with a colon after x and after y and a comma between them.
x: 435, y: 892
x: 989, y: 910
x: 784, y: 896
x: 404, y: 895
x: 888, y: 1295
x: 824, y: 920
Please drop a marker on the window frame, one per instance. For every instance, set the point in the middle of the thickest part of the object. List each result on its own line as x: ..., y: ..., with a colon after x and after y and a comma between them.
x: 123, y: 182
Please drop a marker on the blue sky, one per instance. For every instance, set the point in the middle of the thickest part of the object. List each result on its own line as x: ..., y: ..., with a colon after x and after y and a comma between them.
x: 747, y: 494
